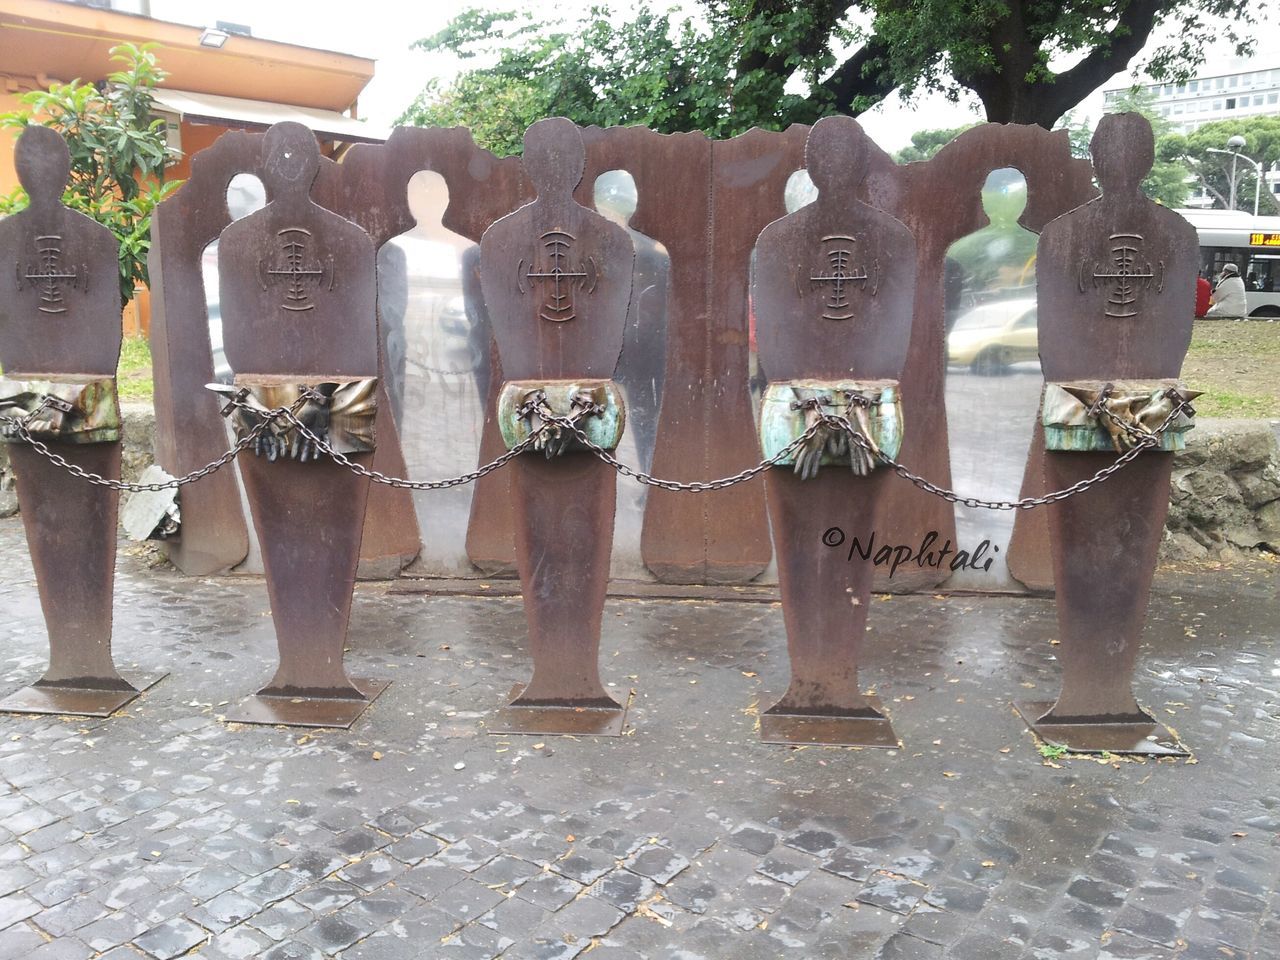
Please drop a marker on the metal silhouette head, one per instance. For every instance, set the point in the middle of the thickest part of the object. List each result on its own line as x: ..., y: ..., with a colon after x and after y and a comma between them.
x: 43, y: 163
x: 554, y: 157
x: 836, y: 154
x: 291, y: 159
x: 1123, y: 149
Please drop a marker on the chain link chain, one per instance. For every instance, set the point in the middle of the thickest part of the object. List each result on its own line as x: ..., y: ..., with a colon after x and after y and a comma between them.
x: 1141, y: 440
x: 551, y: 420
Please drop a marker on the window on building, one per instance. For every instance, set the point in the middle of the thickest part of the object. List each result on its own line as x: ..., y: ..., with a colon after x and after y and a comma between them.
x: 1217, y: 104
x: 1177, y: 108
x: 1194, y: 86
x: 1220, y: 83
x: 1231, y: 103
x: 1273, y: 97
x: 1257, y: 99
x: 1232, y: 81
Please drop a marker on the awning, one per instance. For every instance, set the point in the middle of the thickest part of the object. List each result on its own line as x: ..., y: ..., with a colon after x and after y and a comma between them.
x: 260, y: 114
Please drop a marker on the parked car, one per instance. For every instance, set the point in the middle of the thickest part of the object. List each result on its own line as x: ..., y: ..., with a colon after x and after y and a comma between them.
x: 991, y: 337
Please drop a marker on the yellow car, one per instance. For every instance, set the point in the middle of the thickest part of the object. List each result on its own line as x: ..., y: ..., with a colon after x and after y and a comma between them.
x: 991, y: 337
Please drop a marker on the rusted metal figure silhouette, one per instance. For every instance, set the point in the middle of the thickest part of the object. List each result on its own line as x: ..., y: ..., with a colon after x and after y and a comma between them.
x: 60, y: 332
x: 1107, y: 314
x: 557, y: 280
x: 298, y: 289
x: 833, y: 291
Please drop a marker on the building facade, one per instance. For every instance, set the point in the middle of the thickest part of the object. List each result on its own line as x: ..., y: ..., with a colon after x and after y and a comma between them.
x: 1228, y: 96
x: 1241, y: 95
x: 218, y: 80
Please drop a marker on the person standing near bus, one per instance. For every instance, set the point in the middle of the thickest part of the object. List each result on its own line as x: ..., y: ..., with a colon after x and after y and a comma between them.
x: 1228, y: 295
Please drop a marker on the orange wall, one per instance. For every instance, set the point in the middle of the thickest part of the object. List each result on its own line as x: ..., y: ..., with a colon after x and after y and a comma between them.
x: 8, y: 176
x: 195, y: 137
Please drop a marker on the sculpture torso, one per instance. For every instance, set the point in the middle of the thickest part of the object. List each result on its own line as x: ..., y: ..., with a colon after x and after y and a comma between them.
x: 60, y: 306
x: 834, y: 284
x: 1116, y: 290
x: 557, y: 281
x: 298, y: 288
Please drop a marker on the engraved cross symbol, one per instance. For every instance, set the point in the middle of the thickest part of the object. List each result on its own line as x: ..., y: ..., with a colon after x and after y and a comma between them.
x: 1126, y: 277
x: 558, y: 305
x: 838, y: 251
x: 49, y: 274
x: 297, y: 275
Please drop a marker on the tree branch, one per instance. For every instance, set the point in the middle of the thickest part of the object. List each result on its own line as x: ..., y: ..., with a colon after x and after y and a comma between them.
x: 1071, y: 86
x: 774, y: 60
x: 865, y: 74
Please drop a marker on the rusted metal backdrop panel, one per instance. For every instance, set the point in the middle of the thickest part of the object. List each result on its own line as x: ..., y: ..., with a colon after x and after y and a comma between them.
x: 362, y: 193
x: 1116, y: 303
x: 298, y: 292
x: 369, y: 187
x: 940, y: 201
x: 557, y: 280
x: 60, y: 314
x: 189, y: 433
x: 834, y: 285
x: 707, y: 217
x: 482, y: 188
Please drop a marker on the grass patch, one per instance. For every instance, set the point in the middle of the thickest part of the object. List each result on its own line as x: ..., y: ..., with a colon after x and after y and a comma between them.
x: 134, y: 373
x: 1237, y: 365
x: 1052, y: 751
x: 1224, y: 403
x: 1222, y: 339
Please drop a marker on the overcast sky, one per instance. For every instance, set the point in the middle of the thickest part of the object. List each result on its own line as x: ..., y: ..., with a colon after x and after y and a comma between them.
x: 384, y: 30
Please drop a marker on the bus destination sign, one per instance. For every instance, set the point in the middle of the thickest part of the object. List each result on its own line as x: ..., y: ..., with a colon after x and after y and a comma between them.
x: 1264, y: 239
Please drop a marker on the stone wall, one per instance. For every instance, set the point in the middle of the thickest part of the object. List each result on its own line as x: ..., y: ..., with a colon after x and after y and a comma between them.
x: 1225, y: 498
x: 1226, y: 492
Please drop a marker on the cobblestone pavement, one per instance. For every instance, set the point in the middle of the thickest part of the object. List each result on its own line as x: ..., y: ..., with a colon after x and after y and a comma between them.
x: 166, y: 832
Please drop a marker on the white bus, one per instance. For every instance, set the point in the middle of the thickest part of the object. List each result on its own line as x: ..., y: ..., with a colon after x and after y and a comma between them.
x: 1251, y: 243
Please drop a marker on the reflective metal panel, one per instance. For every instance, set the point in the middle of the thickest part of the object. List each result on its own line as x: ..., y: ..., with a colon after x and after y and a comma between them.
x: 437, y: 362
x: 993, y: 376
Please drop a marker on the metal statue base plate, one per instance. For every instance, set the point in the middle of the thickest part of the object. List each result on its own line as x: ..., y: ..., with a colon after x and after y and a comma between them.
x: 75, y: 701
x: 558, y: 721
x: 1125, y: 739
x: 806, y: 728
x: 264, y: 708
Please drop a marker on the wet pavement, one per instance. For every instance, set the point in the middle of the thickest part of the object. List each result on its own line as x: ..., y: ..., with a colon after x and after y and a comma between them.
x: 164, y: 831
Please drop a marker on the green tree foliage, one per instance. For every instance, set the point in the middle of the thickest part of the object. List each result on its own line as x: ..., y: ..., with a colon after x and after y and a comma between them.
x: 118, y: 152
x: 1262, y: 144
x: 1000, y: 50
x: 770, y: 63
x: 925, y: 143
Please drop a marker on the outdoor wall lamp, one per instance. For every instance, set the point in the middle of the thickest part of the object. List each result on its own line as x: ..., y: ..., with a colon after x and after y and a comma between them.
x: 213, y: 38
